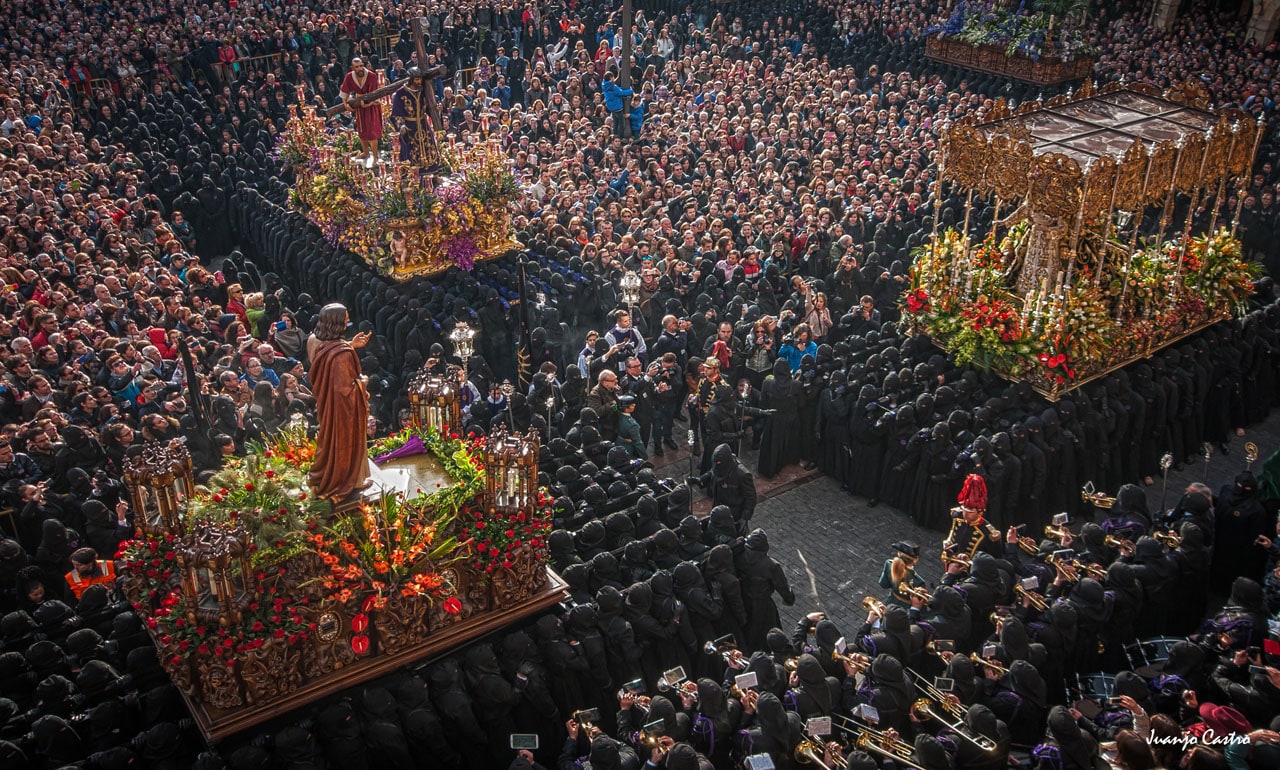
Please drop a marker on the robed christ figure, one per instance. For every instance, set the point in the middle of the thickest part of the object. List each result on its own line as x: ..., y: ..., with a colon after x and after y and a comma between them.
x: 341, y: 465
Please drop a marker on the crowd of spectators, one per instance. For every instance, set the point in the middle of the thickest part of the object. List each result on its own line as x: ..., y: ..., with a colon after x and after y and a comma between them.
x: 773, y: 176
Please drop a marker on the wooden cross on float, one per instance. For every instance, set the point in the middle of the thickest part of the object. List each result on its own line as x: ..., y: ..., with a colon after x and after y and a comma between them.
x: 419, y: 74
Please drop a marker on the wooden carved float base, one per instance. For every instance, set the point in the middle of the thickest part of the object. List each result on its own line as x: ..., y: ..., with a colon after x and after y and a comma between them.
x: 217, y: 724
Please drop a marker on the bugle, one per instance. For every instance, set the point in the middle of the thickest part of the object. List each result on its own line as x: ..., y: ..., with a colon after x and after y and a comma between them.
x: 1028, y: 546
x: 981, y: 661
x: 1168, y: 538
x: 963, y: 559
x: 923, y: 710
x: 1033, y: 598
x: 872, y: 604
x: 791, y: 664
x: 810, y: 752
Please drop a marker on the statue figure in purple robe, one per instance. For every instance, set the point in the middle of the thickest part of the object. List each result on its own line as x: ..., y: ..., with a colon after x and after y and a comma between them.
x: 412, y: 119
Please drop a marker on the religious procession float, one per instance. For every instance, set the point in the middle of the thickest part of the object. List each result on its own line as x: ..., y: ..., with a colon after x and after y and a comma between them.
x: 425, y: 207
x: 1061, y: 289
x: 262, y: 599
x: 1043, y: 42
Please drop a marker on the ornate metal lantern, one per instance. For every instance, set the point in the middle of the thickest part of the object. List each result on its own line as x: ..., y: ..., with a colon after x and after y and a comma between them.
x: 511, y: 470
x: 160, y: 481
x: 216, y: 573
x: 433, y: 400
x: 630, y: 285
x: 463, y: 339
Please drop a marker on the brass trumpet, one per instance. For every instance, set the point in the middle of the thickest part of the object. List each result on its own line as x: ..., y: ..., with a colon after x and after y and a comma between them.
x: 872, y: 604
x: 810, y: 752
x: 923, y: 710
x: 1095, y: 571
x: 731, y: 654
x: 1095, y: 497
x: 1066, y: 569
x: 915, y: 592
x: 1035, y: 599
x: 981, y: 661
x: 686, y: 687
x: 1028, y: 546
x: 1168, y: 538
x: 1118, y: 543
x: 857, y: 660
x: 963, y: 559
x: 876, y: 742
x: 1056, y: 534
x: 791, y: 664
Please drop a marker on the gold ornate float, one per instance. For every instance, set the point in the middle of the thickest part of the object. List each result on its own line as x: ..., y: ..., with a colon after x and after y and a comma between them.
x: 402, y: 217
x: 1061, y: 289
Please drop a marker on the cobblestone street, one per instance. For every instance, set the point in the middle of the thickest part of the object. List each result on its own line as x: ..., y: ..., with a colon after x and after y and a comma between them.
x: 832, y: 546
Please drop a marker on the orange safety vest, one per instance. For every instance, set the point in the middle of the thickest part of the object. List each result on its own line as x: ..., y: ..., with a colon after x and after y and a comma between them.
x: 79, y: 584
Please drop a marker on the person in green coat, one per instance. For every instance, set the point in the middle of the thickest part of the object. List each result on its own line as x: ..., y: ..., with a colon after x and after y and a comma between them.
x: 629, y: 429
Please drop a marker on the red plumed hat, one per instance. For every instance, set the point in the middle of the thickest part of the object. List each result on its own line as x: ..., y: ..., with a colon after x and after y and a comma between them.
x: 973, y: 495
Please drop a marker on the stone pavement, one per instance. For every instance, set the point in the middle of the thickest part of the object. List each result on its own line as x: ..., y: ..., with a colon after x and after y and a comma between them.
x: 832, y: 546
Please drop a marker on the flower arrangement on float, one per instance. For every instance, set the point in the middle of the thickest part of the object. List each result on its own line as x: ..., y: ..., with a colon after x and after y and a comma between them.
x: 958, y: 294
x: 428, y: 557
x: 396, y: 217
x: 1031, y: 28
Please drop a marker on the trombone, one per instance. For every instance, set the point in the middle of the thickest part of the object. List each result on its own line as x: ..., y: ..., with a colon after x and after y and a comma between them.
x: 923, y: 710
x: 1035, y: 599
x: 1168, y: 538
x: 953, y: 708
x: 879, y: 742
x: 856, y: 660
x: 872, y: 604
x: 980, y: 661
x: 810, y: 752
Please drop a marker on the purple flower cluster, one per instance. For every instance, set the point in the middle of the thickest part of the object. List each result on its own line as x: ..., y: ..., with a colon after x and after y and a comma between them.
x: 463, y: 251
x: 451, y: 195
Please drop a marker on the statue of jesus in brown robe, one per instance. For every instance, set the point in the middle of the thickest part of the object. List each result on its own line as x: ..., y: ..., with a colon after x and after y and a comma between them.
x: 341, y: 465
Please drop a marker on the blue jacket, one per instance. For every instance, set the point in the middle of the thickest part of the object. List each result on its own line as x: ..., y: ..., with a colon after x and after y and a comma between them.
x: 613, y: 95
x: 793, y: 354
x: 637, y: 118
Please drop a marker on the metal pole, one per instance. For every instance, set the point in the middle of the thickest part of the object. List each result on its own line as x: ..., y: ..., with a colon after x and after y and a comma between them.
x: 624, y: 71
